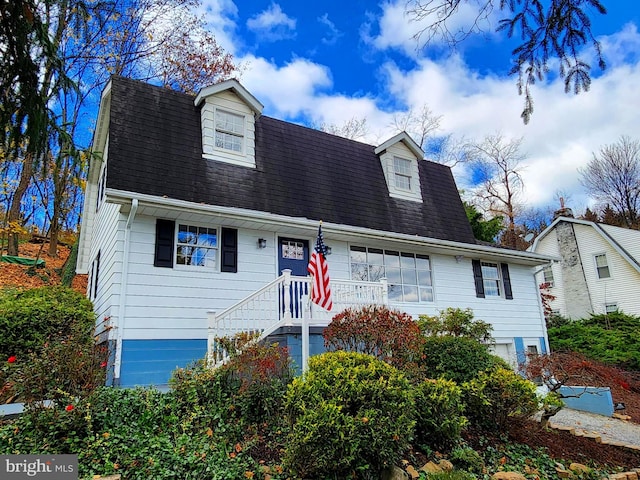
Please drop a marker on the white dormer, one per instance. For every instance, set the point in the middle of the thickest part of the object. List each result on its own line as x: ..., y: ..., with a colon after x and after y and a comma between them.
x: 399, y: 157
x: 227, y: 116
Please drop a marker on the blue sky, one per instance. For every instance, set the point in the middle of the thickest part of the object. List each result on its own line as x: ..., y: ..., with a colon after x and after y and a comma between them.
x: 329, y: 62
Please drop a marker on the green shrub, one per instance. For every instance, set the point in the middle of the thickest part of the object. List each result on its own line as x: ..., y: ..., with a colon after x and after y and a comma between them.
x: 69, y: 268
x: 249, y: 388
x: 32, y: 317
x: 613, y: 346
x: 350, y: 415
x: 439, y: 414
x: 456, y: 358
x: 496, y: 396
x: 456, y: 322
x: 388, y: 335
x: 70, y: 366
x: 467, y: 459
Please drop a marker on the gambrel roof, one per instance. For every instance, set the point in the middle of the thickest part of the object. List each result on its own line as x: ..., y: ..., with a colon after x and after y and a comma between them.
x: 155, y: 148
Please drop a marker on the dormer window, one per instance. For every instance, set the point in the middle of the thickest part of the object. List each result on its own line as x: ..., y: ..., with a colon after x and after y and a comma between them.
x: 228, y: 115
x: 399, y: 157
x: 229, y: 131
x: 402, y: 173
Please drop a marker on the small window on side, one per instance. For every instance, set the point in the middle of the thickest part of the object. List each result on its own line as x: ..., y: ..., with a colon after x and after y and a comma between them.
x: 548, y: 276
x: 602, y: 266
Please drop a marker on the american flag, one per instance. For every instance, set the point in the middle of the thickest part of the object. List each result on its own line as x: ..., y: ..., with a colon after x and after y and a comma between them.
x: 320, y: 289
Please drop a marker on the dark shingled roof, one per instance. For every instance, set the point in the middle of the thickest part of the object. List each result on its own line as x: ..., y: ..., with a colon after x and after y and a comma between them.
x: 155, y: 148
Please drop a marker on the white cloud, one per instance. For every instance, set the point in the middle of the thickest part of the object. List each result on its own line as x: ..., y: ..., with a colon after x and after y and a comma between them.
x: 333, y: 34
x: 560, y: 138
x: 272, y: 24
x: 221, y: 16
x: 288, y: 91
x: 400, y: 30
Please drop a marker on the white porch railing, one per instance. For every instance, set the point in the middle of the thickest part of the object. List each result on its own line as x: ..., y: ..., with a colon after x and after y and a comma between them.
x: 283, y: 303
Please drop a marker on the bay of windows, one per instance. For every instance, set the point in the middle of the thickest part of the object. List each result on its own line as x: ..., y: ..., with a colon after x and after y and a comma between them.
x: 408, y: 274
x: 197, y: 246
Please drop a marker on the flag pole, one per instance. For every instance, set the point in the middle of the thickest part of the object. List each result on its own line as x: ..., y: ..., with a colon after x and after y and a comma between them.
x: 306, y: 314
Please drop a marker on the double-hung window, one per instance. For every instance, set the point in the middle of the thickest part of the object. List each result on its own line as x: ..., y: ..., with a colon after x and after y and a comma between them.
x: 197, y: 246
x: 547, y: 272
x: 402, y: 173
x: 229, y: 131
x: 491, y: 279
x: 602, y: 266
x: 408, y: 274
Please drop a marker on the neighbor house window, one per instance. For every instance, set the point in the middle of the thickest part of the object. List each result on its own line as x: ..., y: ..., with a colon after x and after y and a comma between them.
x: 611, y: 307
x: 408, y: 274
x: 197, y: 246
x: 491, y: 279
x: 402, y: 173
x: 548, y: 275
x: 602, y: 266
x: 229, y: 131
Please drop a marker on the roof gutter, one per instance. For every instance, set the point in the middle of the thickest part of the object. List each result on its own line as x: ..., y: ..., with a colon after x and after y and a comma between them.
x: 452, y: 247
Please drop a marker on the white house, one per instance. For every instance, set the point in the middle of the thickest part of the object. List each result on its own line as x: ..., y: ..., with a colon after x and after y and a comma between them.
x: 199, y: 204
x: 599, y: 271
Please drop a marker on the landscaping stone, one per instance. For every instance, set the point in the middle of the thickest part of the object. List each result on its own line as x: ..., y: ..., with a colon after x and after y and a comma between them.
x: 508, y: 476
x: 394, y: 473
x: 431, y: 467
x: 413, y: 473
x: 579, y: 468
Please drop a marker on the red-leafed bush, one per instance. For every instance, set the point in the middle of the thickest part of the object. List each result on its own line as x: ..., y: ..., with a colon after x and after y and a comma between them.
x: 388, y: 335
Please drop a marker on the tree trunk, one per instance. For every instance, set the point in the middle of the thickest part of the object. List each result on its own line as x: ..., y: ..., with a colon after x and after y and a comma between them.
x: 15, y: 218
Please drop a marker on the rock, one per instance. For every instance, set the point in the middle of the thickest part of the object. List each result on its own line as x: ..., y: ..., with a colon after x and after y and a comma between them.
x: 394, y: 473
x: 562, y: 473
x: 508, y: 476
x: 445, y: 465
x: 413, y: 473
x: 579, y: 468
x: 431, y: 467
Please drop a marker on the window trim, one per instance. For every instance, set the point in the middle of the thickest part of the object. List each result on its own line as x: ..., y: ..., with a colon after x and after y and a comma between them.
x: 242, y: 136
x: 607, y: 266
x: 400, y: 254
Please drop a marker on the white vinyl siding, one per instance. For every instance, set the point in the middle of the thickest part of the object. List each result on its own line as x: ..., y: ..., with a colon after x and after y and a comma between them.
x: 620, y: 288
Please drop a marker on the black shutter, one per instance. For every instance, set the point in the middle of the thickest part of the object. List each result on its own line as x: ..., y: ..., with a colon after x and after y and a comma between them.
x: 96, y: 275
x: 477, y: 277
x: 165, y: 235
x: 229, y: 250
x: 506, y: 279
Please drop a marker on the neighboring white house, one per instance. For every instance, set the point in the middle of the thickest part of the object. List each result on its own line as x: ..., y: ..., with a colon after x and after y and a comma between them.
x: 599, y: 271
x: 199, y: 204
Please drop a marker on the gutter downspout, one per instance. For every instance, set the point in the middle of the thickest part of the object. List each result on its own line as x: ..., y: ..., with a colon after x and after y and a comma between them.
x: 123, y: 292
